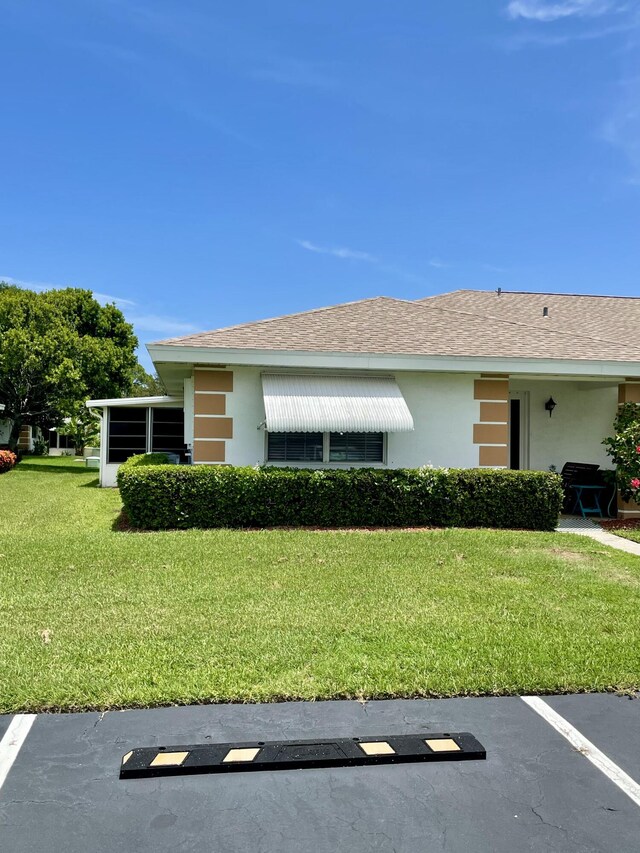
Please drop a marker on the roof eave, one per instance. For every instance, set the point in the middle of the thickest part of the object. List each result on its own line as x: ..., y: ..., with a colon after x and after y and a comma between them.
x: 223, y: 356
x: 133, y: 401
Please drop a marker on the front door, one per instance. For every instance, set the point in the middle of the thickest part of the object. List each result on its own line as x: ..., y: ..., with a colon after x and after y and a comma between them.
x: 519, y: 430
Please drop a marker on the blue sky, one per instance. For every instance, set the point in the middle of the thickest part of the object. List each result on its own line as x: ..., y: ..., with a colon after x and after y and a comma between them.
x: 208, y: 164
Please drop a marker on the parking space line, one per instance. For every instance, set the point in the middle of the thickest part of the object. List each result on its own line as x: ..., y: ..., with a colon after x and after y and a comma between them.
x: 630, y: 787
x: 13, y: 739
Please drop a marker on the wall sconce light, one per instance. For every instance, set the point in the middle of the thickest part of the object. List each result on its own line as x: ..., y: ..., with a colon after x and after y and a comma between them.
x: 550, y: 405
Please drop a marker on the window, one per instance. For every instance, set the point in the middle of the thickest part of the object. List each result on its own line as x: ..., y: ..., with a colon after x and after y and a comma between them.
x: 356, y: 447
x: 127, y: 433
x: 58, y: 441
x: 294, y: 446
x: 136, y: 429
x: 167, y: 432
x: 325, y: 447
x: 65, y: 442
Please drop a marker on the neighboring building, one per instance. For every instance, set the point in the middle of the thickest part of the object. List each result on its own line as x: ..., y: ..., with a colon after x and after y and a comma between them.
x: 5, y: 432
x: 60, y: 444
x: 461, y: 379
x: 26, y: 440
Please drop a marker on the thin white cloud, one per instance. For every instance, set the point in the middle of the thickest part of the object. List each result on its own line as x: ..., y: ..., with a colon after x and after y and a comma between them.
x: 103, y: 298
x: 142, y: 322
x: 354, y: 255
x: 493, y: 268
x: 39, y: 286
x: 622, y: 128
x: 436, y: 263
x: 548, y: 39
x: 31, y: 285
x: 339, y: 252
x: 159, y: 324
x: 543, y: 11
x: 297, y: 72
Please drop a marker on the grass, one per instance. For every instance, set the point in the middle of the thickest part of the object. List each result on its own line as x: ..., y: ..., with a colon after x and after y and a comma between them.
x: 632, y: 533
x: 94, y: 618
x: 627, y: 528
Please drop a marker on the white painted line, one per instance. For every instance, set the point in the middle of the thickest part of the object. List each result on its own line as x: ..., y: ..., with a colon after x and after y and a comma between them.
x: 13, y: 739
x: 581, y: 744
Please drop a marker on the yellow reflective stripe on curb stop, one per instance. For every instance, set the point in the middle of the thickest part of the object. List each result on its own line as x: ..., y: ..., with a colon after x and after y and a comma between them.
x: 168, y: 759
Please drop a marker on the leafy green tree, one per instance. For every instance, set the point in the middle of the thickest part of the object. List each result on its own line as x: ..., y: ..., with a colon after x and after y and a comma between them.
x: 145, y: 384
x: 83, y: 429
x: 58, y: 348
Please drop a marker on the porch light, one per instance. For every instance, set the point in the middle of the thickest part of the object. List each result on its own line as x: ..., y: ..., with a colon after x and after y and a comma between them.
x: 550, y: 405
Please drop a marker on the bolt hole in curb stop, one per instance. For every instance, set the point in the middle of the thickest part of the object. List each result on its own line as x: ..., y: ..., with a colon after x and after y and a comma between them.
x: 151, y: 762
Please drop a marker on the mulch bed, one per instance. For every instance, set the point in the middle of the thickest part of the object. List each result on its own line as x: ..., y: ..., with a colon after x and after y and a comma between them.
x: 620, y: 523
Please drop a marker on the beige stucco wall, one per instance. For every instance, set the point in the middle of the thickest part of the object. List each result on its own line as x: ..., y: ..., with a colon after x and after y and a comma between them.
x: 442, y: 406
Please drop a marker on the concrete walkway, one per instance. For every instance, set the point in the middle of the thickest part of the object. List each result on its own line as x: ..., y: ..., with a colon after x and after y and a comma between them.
x: 586, y: 527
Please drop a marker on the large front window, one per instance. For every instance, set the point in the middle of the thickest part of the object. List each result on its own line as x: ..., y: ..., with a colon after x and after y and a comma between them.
x: 364, y: 447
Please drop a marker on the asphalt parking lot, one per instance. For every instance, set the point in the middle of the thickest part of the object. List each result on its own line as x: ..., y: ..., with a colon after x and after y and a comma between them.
x: 535, y: 792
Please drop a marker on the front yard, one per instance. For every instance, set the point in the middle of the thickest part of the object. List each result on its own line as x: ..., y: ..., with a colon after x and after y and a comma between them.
x: 93, y: 618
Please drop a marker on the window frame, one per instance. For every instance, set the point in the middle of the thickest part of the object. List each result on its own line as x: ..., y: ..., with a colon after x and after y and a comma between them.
x: 326, y: 452
x: 148, y: 432
x: 109, y: 436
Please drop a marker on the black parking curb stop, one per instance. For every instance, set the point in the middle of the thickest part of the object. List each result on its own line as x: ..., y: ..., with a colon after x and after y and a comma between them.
x: 148, y: 762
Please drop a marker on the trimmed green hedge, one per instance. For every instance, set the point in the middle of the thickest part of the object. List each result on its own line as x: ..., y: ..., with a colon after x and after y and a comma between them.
x: 183, y: 496
x: 143, y: 459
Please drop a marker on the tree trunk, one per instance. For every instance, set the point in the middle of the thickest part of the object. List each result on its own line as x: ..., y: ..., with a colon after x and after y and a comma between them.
x: 14, y: 436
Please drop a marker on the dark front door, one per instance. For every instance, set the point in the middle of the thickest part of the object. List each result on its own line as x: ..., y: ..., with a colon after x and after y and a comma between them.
x: 514, y: 434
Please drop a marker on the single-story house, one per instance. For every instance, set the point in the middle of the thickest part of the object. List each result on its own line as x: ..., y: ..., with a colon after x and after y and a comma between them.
x: 465, y: 379
x: 58, y: 443
x: 27, y: 438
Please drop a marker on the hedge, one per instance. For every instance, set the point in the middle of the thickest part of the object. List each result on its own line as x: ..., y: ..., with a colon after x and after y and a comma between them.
x: 163, y: 497
x: 7, y: 461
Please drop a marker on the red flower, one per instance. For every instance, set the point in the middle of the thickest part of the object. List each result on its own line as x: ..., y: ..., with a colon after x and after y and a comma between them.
x: 7, y: 460
x: 635, y: 483
x: 638, y: 449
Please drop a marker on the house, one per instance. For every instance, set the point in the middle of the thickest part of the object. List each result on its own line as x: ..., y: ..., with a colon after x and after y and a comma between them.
x: 26, y: 440
x: 58, y: 443
x: 464, y: 379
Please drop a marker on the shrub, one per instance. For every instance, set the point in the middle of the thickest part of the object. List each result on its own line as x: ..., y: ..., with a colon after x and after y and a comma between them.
x: 7, y: 461
x: 143, y: 459
x: 160, y: 497
x: 624, y: 449
x: 40, y: 447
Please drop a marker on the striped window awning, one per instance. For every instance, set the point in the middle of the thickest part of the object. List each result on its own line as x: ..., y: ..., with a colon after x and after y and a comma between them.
x: 314, y: 403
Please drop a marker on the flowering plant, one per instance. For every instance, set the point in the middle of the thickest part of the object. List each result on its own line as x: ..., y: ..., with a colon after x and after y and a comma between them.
x: 624, y: 449
x: 7, y: 460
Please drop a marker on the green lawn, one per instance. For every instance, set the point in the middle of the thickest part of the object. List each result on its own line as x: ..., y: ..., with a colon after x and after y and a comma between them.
x: 92, y: 618
x: 632, y: 533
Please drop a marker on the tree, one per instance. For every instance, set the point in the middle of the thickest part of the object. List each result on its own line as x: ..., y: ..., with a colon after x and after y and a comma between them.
x: 82, y: 429
x: 58, y: 348
x: 146, y: 385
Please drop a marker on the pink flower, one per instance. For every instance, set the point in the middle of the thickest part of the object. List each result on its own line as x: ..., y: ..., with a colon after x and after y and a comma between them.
x: 638, y: 449
x: 635, y: 483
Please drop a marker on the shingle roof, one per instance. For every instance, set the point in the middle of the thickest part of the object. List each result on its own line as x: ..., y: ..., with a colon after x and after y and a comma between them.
x: 463, y: 323
x: 612, y: 318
